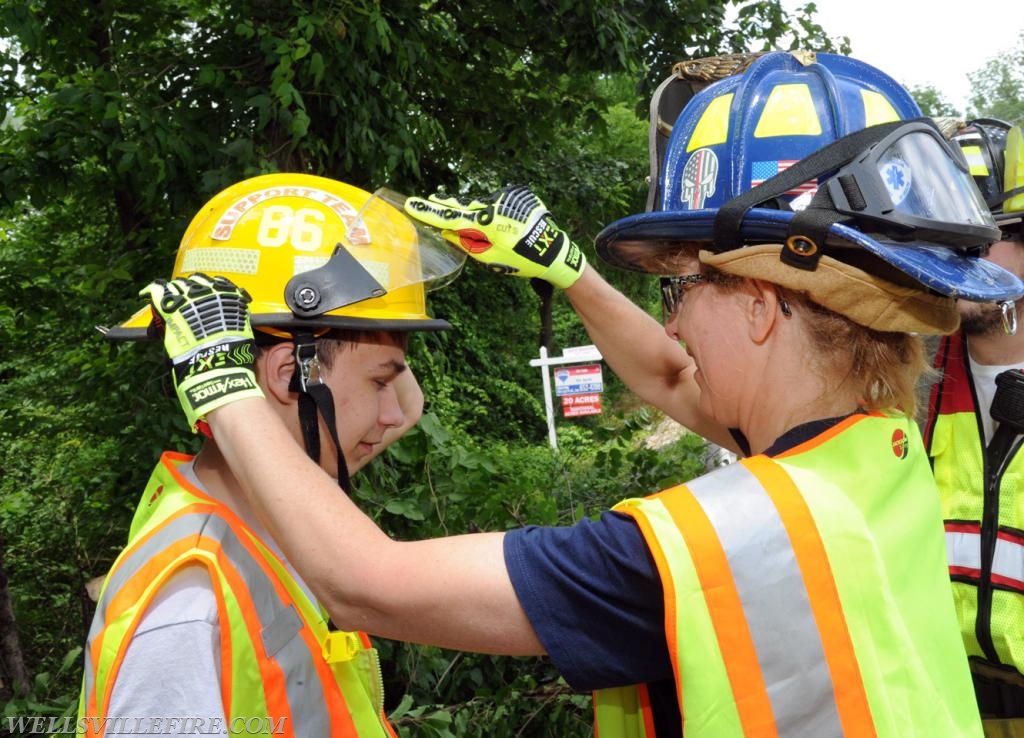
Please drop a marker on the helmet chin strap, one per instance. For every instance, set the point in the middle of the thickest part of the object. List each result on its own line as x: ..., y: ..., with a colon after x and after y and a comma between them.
x: 315, y: 396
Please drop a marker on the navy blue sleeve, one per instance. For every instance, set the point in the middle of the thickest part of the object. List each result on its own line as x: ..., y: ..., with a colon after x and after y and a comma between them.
x: 593, y: 595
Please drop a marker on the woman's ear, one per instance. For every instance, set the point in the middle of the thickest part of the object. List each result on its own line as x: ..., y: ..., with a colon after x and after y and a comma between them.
x: 763, y: 309
x: 276, y: 366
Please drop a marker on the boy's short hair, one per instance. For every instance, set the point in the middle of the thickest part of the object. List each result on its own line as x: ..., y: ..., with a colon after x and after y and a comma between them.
x: 328, y: 344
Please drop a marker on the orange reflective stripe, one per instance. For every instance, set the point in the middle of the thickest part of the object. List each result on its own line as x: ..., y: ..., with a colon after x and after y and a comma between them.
x: 723, y: 602
x: 140, y: 542
x: 805, y: 539
x: 646, y: 712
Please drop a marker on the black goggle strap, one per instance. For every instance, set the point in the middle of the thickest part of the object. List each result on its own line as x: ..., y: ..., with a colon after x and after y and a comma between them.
x: 314, y: 397
x: 809, y: 228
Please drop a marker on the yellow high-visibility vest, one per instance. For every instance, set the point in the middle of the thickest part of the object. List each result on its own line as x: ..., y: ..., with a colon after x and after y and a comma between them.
x: 806, y: 595
x: 984, y: 530
x: 278, y: 658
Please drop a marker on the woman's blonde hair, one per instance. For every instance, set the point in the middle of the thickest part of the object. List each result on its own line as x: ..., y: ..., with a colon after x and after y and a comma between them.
x: 889, y: 369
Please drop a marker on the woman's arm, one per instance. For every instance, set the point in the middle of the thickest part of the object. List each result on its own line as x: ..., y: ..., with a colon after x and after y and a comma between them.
x: 635, y: 345
x: 450, y: 592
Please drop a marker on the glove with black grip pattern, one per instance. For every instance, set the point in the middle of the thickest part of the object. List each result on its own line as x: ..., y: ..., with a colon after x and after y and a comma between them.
x: 209, y: 340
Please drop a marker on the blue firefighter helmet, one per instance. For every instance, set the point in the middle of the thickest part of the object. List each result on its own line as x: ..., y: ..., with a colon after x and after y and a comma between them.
x: 826, y: 156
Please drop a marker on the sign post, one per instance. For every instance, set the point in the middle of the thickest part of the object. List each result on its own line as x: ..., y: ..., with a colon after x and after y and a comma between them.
x: 578, y: 386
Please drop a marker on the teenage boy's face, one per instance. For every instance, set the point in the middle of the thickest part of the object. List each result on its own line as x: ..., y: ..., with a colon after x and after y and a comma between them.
x: 361, y: 378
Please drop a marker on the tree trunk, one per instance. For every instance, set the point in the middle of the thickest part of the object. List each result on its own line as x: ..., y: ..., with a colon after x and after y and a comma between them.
x: 14, y: 676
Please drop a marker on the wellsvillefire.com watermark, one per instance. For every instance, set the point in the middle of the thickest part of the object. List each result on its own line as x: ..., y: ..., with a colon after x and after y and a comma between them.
x: 38, y: 725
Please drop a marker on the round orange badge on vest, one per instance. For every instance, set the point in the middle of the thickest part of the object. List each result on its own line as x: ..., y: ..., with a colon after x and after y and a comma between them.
x: 899, y: 443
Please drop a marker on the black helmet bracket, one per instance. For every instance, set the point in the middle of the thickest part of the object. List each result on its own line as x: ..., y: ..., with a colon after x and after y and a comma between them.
x: 339, y: 282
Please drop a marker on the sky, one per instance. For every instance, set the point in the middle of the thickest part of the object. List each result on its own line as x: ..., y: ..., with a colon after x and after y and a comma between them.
x: 924, y: 43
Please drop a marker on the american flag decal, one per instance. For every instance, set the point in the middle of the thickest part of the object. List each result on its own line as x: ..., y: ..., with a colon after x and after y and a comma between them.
x: 763, y: 170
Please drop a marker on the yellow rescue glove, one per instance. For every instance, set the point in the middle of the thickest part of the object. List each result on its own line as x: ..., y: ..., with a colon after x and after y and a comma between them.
x: 511, y: 232
x: 208, y: 338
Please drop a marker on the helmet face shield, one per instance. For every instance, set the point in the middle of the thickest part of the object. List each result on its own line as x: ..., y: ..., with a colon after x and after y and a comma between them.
x: 912, y: 185
x: 386, y: 253
x: 434, y: 262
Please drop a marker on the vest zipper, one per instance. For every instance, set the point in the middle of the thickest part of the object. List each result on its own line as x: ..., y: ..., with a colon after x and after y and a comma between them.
x: 993, y: 470
x: 989, y: 529
x: 379, y: 679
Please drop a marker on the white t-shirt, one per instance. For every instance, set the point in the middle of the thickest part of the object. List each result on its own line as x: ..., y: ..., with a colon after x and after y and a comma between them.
x: 172, y: 665
x: 985, y: 386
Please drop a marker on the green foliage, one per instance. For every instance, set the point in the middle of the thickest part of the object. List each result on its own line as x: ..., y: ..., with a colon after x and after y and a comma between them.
x: 997, y: 89
x: 48, y: 696
x: 932, y: 102
x: 473, y: 695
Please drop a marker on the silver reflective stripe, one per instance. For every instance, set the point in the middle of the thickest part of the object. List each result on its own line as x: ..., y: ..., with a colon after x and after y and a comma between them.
x: 305, y: 692
x: 1008, y: 561
x: 964, y: 552
x: 775, y: 602
x: 286, y: 625
x: 963, y: 549
x: 302, y: 684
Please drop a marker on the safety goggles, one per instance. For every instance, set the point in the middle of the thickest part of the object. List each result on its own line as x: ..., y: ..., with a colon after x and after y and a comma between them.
x: 898, y: 182
x: 914, y: 185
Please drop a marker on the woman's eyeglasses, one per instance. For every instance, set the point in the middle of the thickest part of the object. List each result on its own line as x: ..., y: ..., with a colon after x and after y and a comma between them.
x: 672, y: 289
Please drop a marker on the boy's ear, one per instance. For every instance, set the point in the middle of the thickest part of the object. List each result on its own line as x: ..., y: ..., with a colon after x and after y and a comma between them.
x: 275, y: 368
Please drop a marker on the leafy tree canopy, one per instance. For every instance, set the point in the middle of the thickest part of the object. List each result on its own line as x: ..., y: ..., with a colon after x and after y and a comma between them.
x: 997, y: 89
x: 932, y: 102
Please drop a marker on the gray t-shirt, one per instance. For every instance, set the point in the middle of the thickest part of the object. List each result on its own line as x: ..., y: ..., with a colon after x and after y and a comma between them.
x: 172, y: 665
